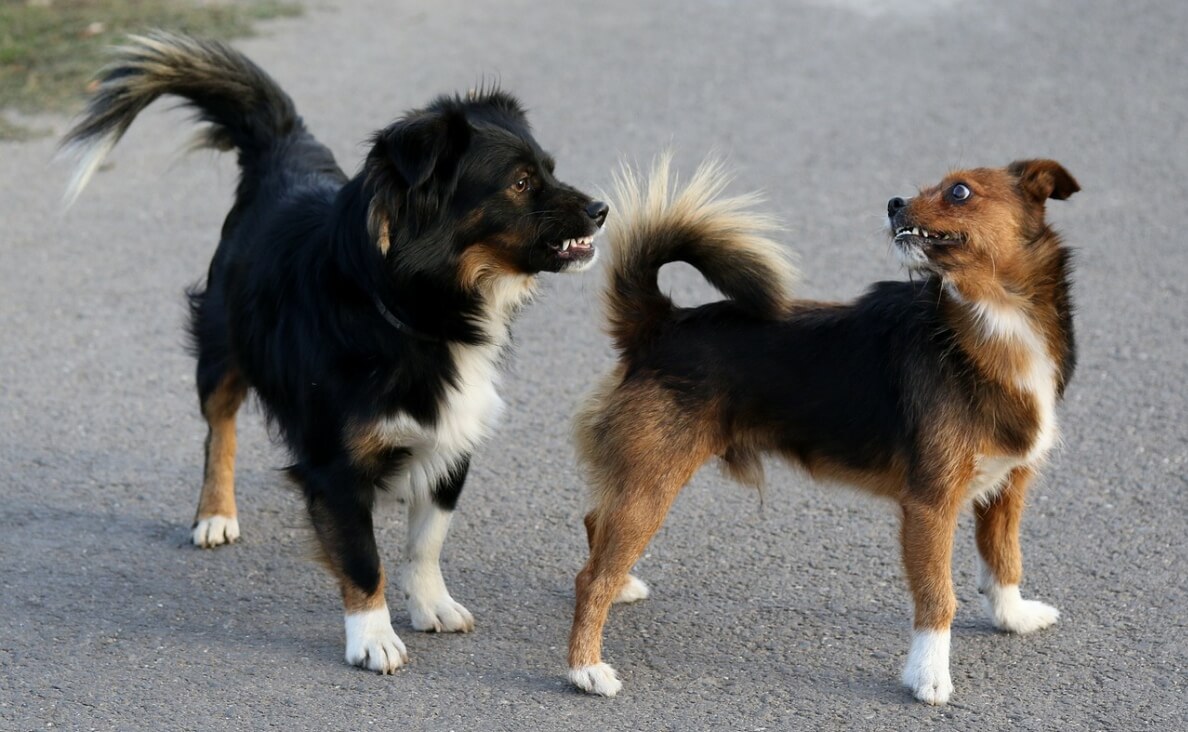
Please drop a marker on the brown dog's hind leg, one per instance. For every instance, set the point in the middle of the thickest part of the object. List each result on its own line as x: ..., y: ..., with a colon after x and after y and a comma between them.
x: 1000, y: 565
x: 639, y: 458
x: 216, y: 521
x: 633, y: 589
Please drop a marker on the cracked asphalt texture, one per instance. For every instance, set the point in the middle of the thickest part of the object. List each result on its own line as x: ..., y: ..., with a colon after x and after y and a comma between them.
x: 790, y: 613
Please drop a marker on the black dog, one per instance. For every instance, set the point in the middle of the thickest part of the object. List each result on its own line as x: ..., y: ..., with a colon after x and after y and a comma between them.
x: 370, y: 314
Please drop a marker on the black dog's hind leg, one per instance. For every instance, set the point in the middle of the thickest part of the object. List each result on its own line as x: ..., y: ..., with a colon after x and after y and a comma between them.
x: 430, y: 509
x: 221, y: 390
x: 340, y: 502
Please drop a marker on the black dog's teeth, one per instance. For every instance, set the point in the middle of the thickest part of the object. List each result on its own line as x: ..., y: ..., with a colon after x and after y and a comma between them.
x: 581, y: 242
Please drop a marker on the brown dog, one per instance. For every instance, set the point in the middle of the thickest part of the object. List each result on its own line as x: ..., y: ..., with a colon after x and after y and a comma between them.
x: 936, y: 393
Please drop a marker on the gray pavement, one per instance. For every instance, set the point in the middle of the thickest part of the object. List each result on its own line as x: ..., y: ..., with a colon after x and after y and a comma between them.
x: 789, y: 615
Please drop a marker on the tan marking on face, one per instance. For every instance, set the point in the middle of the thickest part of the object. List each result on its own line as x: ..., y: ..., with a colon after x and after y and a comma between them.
x: 1004, y: 254
x: 379, y: 226
x: 990, y: 255
x: 483, y: 262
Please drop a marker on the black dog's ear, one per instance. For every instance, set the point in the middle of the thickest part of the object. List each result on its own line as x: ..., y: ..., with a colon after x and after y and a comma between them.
x: 411, y: 167
x: 423, y: 146
x: 1044, y: 179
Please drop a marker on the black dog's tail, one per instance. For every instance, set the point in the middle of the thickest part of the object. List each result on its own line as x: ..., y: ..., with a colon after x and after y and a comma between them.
x: 722, y: 237
x: 246, y: 109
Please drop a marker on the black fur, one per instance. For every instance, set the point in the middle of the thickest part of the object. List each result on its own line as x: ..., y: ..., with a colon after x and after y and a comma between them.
x: 313, y: 266
x: 826, y: 381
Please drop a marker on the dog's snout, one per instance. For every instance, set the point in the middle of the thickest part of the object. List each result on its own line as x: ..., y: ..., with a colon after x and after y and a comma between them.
x: 597, y: 210
x: 895, y: 205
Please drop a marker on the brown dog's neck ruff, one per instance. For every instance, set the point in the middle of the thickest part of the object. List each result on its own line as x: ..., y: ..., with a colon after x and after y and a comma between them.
x: 402, y: 326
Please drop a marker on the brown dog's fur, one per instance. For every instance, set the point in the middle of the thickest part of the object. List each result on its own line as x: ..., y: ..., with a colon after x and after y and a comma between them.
x: 933, y: 393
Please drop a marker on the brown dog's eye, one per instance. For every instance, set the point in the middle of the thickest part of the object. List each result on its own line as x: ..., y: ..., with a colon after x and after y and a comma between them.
x: 522, y: 185
x: 960, y: 193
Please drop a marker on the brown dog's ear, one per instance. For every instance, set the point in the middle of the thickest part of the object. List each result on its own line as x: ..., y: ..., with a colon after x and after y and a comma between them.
x: 1044, y: 179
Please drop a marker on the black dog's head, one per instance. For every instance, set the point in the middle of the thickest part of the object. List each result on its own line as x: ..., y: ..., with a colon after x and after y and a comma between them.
x: 461, y: 188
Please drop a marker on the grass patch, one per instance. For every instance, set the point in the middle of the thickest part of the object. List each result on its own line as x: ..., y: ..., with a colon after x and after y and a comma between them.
x: 50, y: 49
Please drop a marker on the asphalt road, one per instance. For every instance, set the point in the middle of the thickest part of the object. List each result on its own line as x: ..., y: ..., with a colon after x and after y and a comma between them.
x: 788, y: 615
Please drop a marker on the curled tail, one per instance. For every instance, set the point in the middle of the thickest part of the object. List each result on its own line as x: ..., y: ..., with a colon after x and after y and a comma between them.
x: 246, y: 109
x: 652, y: 224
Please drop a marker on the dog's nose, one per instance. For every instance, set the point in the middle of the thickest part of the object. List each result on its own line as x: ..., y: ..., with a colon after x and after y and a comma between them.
x: 597, y: 210
x: 895, y: 205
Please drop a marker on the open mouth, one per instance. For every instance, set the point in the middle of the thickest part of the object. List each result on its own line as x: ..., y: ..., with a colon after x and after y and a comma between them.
x: 574, y: 249
x: 918, y: 236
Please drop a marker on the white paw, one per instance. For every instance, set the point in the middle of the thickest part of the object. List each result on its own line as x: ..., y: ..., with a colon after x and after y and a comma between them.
x: 440, y: 615
x: 213, y: 531
x: 926, y: 672
x: 372, y: 644
x: 1010, y: 612
x: 598, y: 679
x: 633, y: 590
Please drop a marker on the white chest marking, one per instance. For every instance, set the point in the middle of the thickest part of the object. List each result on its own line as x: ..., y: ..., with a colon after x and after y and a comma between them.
x: 467, y: 413
x: 469, y: 408
x: 1037, y: 379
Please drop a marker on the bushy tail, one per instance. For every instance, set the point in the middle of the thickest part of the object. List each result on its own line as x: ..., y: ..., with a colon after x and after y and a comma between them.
x: 246, y: 109
x: 652, y: 224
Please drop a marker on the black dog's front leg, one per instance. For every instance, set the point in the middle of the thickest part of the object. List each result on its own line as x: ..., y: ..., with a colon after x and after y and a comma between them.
x: 429, y: 511
x: 340, y: 503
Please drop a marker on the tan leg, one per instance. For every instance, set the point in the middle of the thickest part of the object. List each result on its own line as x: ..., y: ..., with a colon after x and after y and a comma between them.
x: 216, y: 521
x: 997, y: 530
x: 630, y: 512
x: 640, y: 448
x: 633, y: 588
x: 1000, y: 565
x: 927, y: 539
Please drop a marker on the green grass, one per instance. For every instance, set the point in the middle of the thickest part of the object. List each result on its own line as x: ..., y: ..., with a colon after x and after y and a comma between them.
x: 50, y: 49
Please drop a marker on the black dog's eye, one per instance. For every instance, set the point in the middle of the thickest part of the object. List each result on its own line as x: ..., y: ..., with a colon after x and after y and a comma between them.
x: 522, y: 185
x: 960, y: 192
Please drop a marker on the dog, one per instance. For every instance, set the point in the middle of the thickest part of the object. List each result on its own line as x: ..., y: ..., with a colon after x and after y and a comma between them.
x: 370, y: 314
x: 937, y: 392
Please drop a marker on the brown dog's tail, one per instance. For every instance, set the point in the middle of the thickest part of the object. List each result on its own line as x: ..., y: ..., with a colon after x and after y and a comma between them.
x: 652, y: 224
x: 246, y: 109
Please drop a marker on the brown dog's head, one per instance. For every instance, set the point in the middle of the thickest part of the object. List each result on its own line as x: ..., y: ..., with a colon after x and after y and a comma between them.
x: 978, y: 228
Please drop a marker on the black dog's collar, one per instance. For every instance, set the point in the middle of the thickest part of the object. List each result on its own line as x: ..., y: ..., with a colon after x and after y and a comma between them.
x: 402, y: 326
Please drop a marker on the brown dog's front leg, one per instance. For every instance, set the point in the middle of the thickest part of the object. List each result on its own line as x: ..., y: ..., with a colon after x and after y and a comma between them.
x: 927, y: 539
